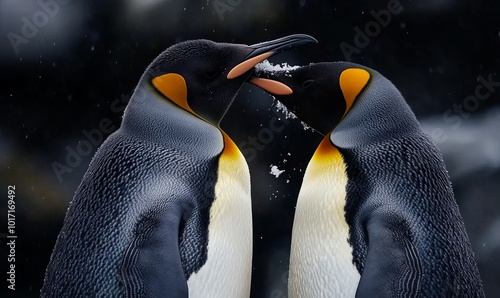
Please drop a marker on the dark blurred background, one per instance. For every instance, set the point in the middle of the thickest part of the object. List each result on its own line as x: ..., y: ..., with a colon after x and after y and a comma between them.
x: 68, y: 65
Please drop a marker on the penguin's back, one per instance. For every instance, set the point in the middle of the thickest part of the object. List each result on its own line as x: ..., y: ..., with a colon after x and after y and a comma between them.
x: 400, y: 191
x: 130, y: 188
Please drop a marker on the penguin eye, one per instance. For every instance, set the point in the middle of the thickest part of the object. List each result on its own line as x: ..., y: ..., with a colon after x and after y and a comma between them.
x: 307, y: 83
x: 210, y: 74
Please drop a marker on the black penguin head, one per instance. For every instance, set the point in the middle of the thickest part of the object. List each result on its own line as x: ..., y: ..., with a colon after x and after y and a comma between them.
x: 353, y: 102
x: 323, y: 93
x: 203, y: 76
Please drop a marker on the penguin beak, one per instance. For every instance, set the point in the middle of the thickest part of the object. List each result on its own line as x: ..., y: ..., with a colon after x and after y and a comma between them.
x: 273, y: 81
x: 262, y: 51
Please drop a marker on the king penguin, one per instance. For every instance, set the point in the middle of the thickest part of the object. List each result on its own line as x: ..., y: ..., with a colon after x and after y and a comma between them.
x: 376, y: 214
x: 164, y: 208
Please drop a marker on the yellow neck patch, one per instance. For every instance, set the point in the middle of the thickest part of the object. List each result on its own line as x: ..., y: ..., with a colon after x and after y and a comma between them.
x: 326, y: 152
x: 174, y: 87
x: 230, y: 149
x: 352, y: 81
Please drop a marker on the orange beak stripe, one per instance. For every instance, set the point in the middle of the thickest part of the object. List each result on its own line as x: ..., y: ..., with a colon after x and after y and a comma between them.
x: 246, y: 65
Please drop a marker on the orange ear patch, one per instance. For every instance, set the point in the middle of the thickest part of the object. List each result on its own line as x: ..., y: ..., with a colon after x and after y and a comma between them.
x: 352, y: 81
x: 174, y: 87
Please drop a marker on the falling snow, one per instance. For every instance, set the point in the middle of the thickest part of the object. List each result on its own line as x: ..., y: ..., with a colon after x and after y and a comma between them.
x: 284, y: 110
x: 305, y: 126
x: 266, y: 66
x: 275, y: 171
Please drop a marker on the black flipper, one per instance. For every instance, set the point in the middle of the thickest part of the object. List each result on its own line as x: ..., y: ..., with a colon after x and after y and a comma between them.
x: 392, y: 267
x: 152, y: 265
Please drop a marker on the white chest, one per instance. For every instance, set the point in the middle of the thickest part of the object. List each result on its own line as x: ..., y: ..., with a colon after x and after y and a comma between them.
x: 227, y: 272
x: 321, y: 258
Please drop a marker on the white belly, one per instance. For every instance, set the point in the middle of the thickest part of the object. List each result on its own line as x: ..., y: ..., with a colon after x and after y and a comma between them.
x: 321, y: 262
x: 227, y: 271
